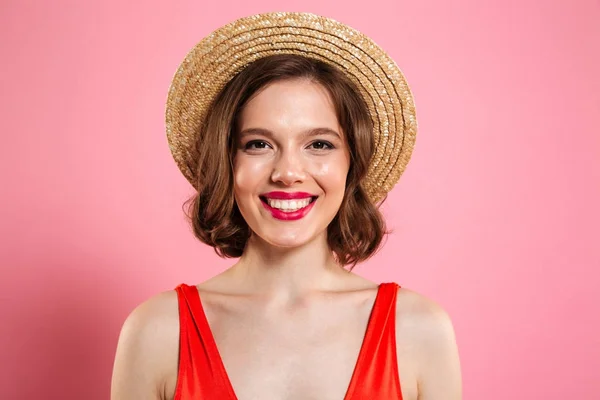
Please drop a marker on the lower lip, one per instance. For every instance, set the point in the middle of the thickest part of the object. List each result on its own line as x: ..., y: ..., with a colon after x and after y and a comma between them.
x: 289, y: 216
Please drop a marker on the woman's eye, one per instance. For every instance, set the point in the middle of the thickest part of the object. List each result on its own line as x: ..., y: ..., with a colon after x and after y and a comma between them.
x: 256, y: 144
x: 322, y: 145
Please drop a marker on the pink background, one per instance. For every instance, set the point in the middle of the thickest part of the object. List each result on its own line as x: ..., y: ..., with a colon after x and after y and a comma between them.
x: 496, y: 217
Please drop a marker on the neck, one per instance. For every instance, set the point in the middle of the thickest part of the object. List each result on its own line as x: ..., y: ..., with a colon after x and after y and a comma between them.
x: 287, y: 273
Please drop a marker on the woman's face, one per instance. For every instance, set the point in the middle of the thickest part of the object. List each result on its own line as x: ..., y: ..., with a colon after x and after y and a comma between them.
x: 291, y: 162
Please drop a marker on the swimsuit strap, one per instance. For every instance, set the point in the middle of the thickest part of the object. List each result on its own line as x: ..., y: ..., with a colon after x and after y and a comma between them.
x: 376, y: 374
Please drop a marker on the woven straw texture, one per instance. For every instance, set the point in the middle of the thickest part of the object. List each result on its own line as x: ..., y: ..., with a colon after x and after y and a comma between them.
x: 220, y: 56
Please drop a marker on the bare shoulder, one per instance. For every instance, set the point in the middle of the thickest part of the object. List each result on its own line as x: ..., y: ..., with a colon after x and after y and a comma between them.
x: 421, y: 311
x: 147, y: 352
x: 425, y: 327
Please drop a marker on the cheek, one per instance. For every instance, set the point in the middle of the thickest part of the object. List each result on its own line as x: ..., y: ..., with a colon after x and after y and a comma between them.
x: 335, y: 165
x: 247, y: 174
x: 332, y: 172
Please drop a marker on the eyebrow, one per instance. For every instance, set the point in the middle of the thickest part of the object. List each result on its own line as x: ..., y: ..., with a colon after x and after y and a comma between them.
x: 308, y: 133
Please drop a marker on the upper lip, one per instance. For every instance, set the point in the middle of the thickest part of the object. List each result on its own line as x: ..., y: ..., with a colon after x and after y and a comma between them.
x: 287, y: 195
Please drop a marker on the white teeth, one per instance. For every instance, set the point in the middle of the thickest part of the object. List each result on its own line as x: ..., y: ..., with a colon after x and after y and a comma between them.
x: 289, y: 205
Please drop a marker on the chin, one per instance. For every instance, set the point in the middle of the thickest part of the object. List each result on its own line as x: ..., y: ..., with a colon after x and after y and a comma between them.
x: 287, y: 240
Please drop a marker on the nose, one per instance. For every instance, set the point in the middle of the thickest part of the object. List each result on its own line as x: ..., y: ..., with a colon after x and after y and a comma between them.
x: 288, y: 169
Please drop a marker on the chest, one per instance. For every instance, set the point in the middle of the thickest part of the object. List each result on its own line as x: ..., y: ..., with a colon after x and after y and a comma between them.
x: 333, y: 351
x: 302, y: 355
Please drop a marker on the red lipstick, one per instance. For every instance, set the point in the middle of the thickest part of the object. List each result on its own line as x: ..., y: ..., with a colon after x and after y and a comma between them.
x: 288, y: 216
x: 288, y: 195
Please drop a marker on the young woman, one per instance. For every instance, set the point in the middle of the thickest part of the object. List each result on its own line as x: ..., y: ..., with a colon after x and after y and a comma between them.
x: 292, y: 128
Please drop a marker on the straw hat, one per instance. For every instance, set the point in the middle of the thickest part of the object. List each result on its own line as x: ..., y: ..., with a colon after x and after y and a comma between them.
x: 221, y: 55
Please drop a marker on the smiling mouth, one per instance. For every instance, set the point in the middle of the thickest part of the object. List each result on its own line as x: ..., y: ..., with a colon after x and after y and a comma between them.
x: 288, y: 206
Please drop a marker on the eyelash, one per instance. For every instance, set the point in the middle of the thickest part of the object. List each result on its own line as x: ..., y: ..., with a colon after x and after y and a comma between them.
x: 326, y: 143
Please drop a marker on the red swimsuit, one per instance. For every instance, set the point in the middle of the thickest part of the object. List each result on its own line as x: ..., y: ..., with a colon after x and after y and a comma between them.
x: 202, y: 374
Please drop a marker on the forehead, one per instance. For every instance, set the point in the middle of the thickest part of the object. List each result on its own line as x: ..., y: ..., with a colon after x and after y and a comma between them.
x: 290, y: 105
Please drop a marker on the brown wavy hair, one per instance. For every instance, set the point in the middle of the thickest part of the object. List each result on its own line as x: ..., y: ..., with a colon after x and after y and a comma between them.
x: 357, y: 230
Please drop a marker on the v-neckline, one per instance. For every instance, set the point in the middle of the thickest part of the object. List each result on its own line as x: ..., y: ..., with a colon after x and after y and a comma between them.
x: 211, y: 342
